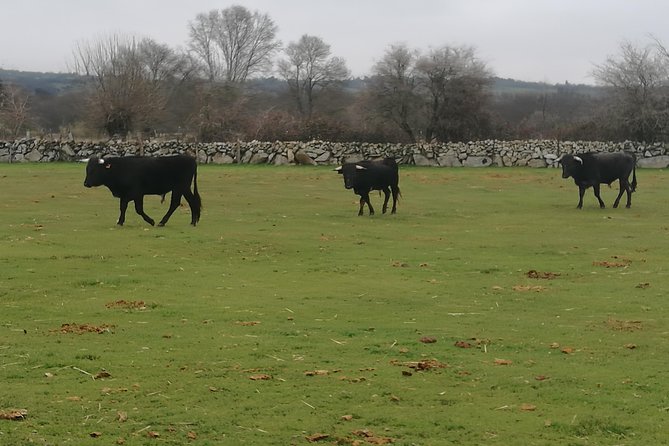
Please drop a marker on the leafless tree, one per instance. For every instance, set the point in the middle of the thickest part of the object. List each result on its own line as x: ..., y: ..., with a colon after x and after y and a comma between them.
x: 233, y: 43
x: 309, y: 69
x: 441, y: 95
x: 202, y: 43
x: 131, y: 80
x: 638, y: 78
x: 394, y: 88
x: 14, y: 110
x: 454, y: 83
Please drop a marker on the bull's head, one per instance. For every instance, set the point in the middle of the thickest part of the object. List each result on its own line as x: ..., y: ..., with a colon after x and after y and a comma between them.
x: 95, y: 171
x: 570, y: 164
x: 350, y: 172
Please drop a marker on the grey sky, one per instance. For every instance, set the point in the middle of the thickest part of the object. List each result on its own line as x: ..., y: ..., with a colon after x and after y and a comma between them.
x: 533, y: 40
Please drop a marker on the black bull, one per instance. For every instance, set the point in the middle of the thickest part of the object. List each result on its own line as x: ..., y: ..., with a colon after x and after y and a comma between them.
x: 593, y: 169
x: 130, y: 178
x: 365, y: 176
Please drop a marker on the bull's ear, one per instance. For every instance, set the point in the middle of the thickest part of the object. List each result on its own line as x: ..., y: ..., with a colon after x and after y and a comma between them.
x: 579, y: 159
x: 359, y: 167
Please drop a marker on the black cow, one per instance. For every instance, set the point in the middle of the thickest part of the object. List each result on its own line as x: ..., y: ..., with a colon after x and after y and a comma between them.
x: 593, y: 169
x: 365, y: 176
x: 130, y: 178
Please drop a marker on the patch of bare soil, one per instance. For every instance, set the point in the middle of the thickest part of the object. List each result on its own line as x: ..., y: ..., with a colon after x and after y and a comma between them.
x: 523, y: 288
x: 618, y: 325
x: 127, y: 304
x: 13, y: 414
x: 247, y: 323
x: 617, y: 262
x: 358, y: 438
x: 84, y: 328
x: 534, y: 274
x: 422, y: 365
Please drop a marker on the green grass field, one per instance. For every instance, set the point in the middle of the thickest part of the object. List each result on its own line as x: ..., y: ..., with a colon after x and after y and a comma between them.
x: 286, y: 319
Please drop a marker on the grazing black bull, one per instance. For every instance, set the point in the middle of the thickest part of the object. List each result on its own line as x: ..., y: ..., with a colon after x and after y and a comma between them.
x: 130, y: 178
x: 593, y: 169
x: 365, y: 176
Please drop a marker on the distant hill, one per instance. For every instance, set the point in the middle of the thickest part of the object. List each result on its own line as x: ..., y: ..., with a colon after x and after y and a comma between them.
x: 42, y: 83
x: 512, y: 86
x: 59, y: 83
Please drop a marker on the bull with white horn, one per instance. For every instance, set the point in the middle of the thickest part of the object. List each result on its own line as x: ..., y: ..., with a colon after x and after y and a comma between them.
x: 596, y: 168
x: 365, y: 176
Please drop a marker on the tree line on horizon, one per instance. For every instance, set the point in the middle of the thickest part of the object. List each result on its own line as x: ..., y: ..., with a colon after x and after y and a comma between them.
x: 236, y: 81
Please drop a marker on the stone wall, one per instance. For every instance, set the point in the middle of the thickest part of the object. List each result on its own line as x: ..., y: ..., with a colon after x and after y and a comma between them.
x: 531, y: 153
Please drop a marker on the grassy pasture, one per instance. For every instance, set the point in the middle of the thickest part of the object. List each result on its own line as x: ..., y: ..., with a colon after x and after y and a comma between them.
x: 283, y: 315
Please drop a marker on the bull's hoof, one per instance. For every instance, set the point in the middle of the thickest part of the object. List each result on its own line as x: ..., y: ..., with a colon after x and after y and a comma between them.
x: 161, y: 224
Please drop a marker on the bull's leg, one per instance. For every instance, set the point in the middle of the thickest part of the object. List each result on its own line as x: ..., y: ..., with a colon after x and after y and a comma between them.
x: 396, y: 192
x: 175, y: 201
x: 581, y: 192
x: 364, y: 198
x: 139, y: 208
x: 595, y: 188
x: 386, y: 192
x: 124, y: 207
x: 629, y: 195
x: 194, y: 210
x: 624, y: 186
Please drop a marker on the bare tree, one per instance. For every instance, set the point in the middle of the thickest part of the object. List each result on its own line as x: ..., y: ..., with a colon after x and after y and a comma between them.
x: 638, y: 79
x: 131, y: 80
x: 202, y: 43
x: 453, y: 82
x: 233, y: 43
x: 309, y: 69
x: 14, y: 110
x: 394, y: 88
x: 441, y: 95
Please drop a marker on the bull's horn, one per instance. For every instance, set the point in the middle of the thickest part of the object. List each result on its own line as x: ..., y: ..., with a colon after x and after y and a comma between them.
x: 101, y: 161
x: 85, y: 160
x: 338, y: 169
x: 579, y: 159
x: 359, y: 167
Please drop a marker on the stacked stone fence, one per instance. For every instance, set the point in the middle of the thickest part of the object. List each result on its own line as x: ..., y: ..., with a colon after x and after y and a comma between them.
x: 529, y: 153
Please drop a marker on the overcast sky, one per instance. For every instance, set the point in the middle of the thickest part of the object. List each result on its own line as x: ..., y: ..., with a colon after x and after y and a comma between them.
x: 533, y: 40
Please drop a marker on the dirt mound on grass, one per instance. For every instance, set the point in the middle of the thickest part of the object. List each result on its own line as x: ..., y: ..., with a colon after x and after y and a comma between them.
x: 84, y: 328
x: 534, y: 274
x: 127, y: 304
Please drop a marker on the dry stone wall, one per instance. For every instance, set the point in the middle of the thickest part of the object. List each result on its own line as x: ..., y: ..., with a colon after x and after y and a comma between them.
x: 531, y: 153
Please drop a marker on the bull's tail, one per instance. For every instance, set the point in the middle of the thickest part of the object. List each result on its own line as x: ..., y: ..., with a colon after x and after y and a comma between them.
x: 633, y: 185
x: 197, y: 206
x: 393, y: 164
